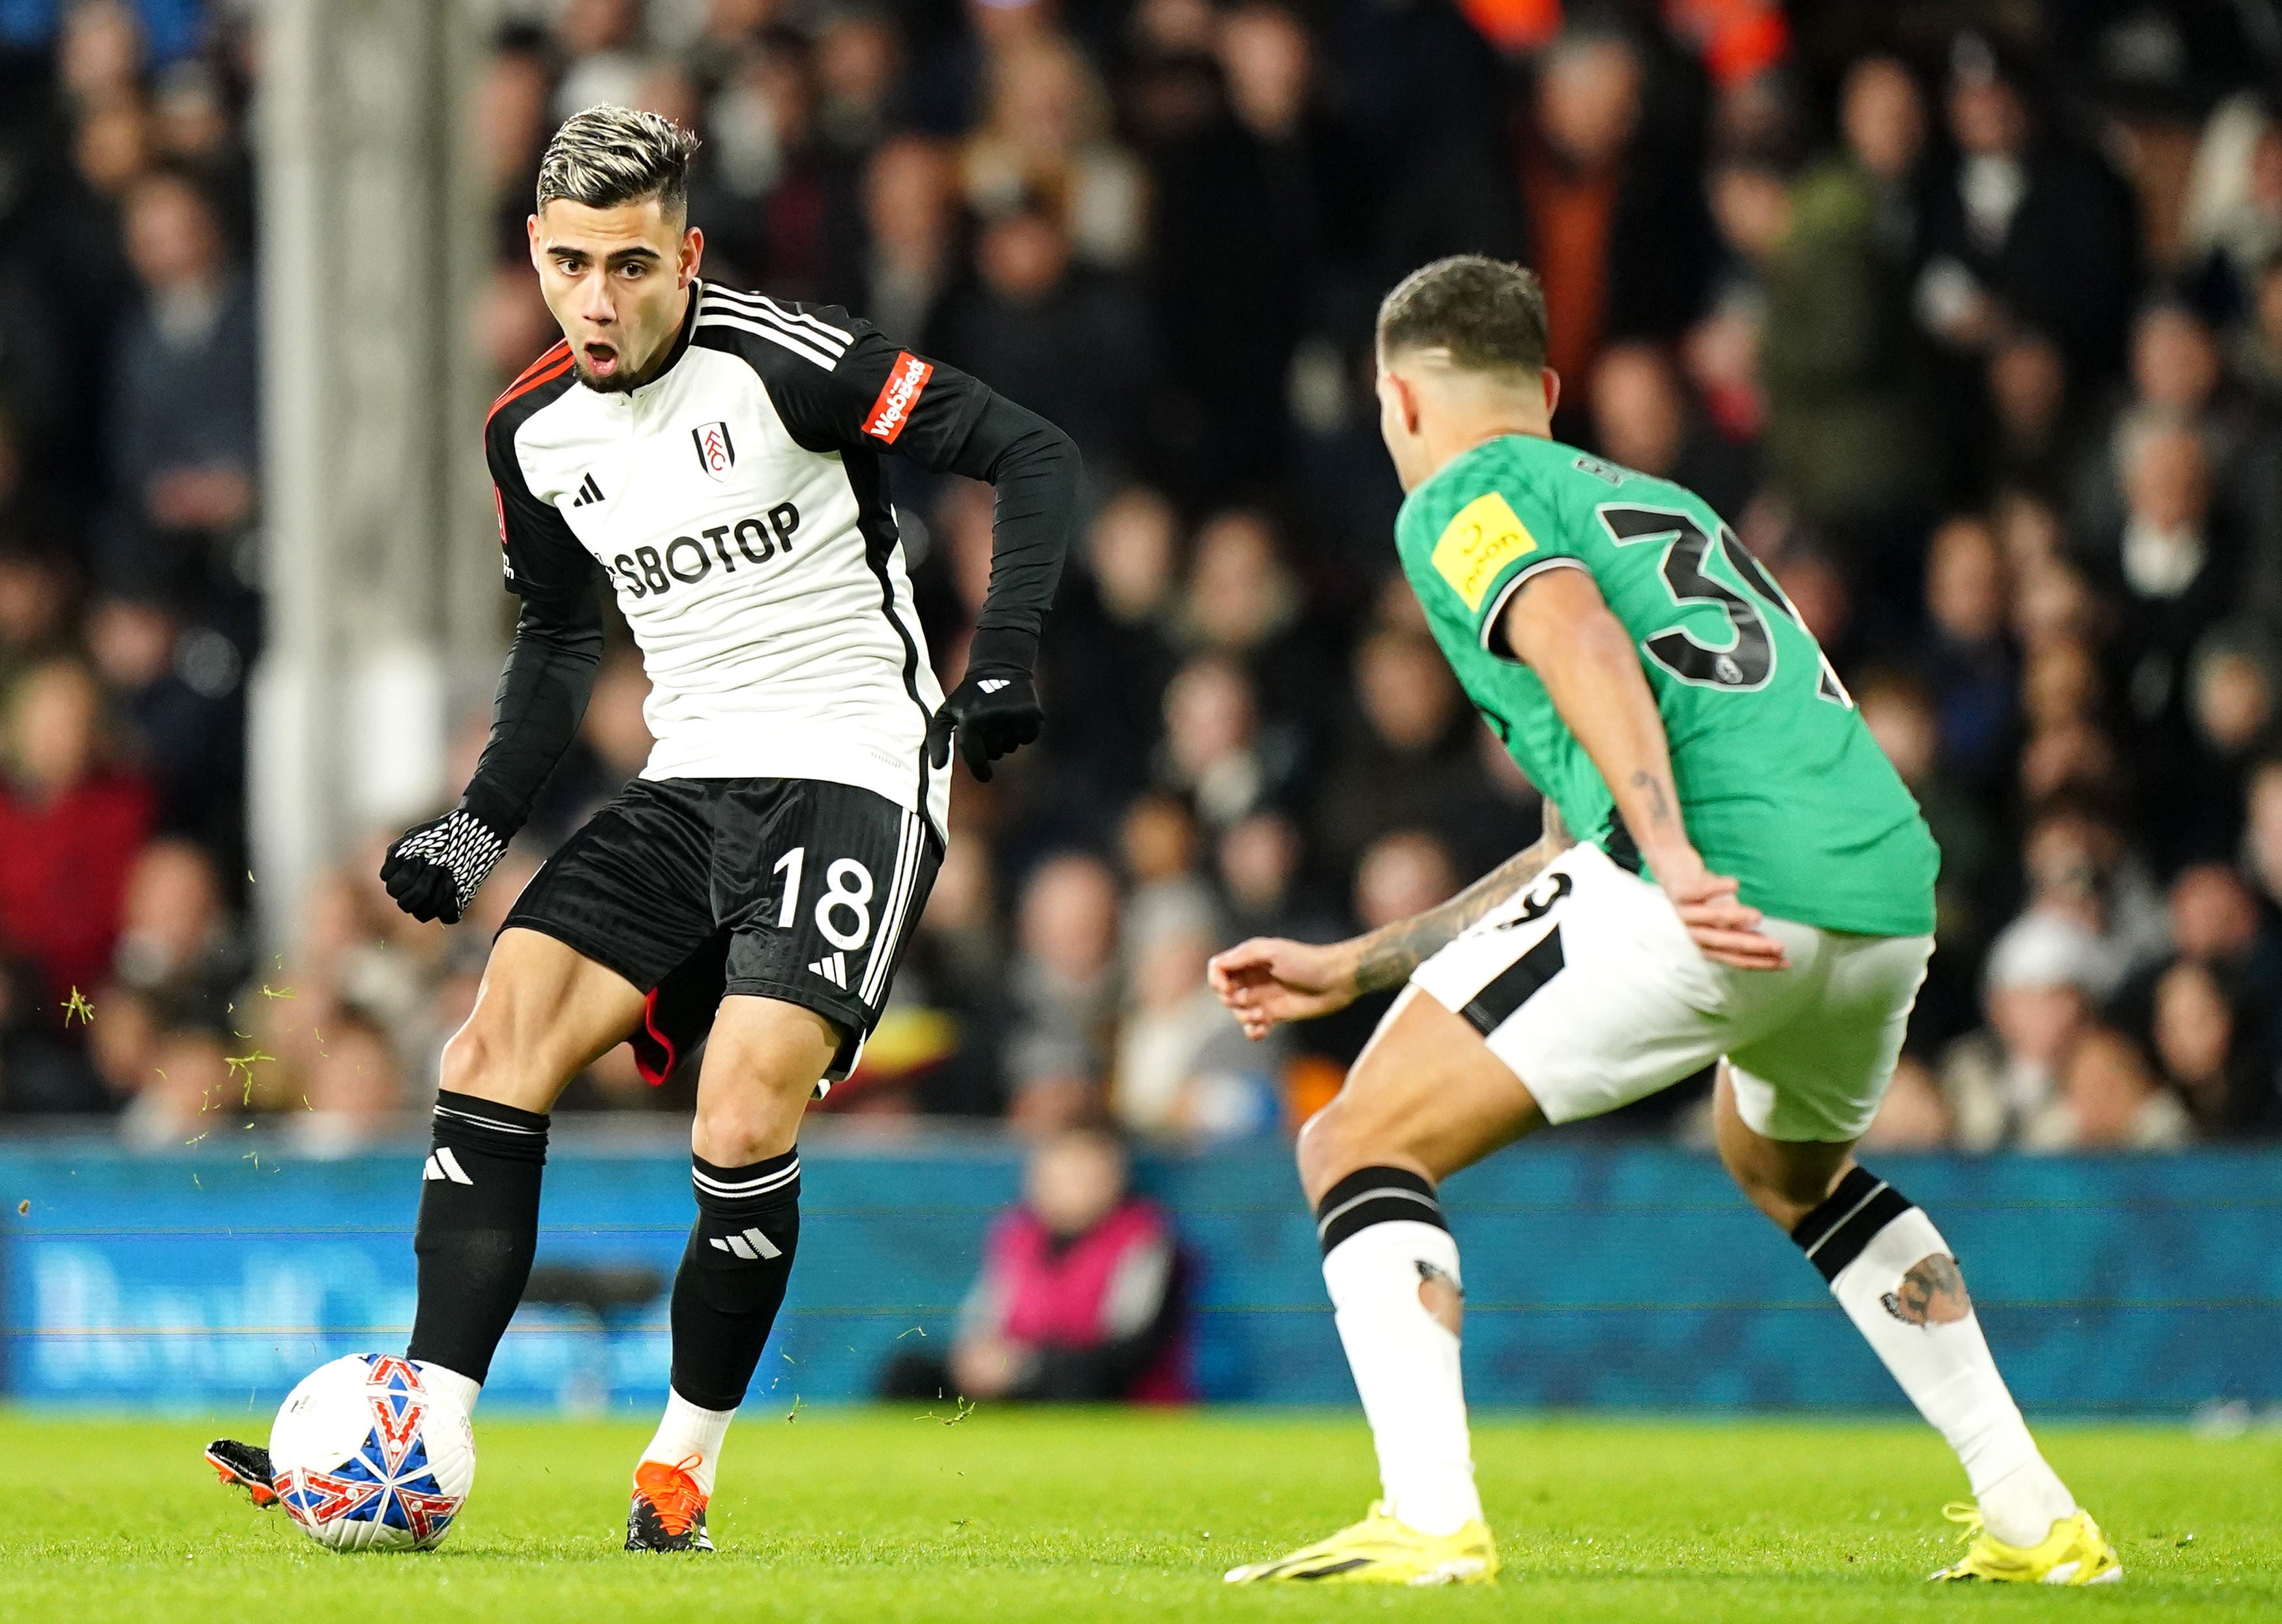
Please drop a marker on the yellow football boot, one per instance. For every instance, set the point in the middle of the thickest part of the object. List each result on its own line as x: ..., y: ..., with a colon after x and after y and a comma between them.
x: 1380, y: 1551
x: 2074, y: 1552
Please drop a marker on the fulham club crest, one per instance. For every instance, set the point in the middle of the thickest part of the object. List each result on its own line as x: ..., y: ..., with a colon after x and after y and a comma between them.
x: 714, y: 452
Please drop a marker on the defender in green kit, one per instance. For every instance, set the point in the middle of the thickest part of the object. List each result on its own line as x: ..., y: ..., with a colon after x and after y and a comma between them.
x: 1780, y: 784
x: 1749, y: 891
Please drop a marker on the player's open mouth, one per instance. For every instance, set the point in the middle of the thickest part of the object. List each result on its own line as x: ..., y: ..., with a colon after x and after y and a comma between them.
x: 601, y: 358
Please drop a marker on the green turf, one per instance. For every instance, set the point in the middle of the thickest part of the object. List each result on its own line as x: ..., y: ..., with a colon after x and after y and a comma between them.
x: 885, y: 1515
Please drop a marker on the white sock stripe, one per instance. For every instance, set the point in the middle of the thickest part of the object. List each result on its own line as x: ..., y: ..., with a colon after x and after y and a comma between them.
x: 891, y: 917
x: 1323, y: 1224
x: 761, y: 304
x: 457, y: 1115
x: 1842, y: 1223
x: 761, y: 1185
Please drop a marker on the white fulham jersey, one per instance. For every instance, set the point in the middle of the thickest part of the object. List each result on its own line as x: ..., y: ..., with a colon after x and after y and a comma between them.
x: 737, y: 506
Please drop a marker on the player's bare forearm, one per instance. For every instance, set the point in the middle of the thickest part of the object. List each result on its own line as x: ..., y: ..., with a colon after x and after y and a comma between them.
x: 1560, y: 625
x: 1385, y: 957
x: 1268, y: 980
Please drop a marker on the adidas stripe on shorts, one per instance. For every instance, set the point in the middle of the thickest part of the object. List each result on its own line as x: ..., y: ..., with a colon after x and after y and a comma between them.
x: 1589, y: 988
x: 790, y: 888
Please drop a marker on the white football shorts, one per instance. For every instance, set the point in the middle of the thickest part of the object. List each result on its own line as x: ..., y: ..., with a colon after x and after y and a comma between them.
x: 1587, y: 985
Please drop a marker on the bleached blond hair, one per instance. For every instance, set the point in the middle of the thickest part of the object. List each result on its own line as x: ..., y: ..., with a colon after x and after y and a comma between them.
x: 607, y: 156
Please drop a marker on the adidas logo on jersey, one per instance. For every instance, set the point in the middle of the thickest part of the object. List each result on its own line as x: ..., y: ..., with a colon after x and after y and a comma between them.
x: 833, y: 968
x: 991, y: 685
x: 445, y: 1167
x: 750, y: 1245
x: 588, y: 491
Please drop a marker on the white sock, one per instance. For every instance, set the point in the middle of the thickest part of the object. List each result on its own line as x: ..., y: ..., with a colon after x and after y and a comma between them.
x: 461, y: 1387
x: 1406, y: 1368
x: 690, y: 1438
x: 1948, y: 1374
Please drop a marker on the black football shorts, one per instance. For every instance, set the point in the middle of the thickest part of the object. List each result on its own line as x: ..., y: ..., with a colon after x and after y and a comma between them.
x: 696, y: 888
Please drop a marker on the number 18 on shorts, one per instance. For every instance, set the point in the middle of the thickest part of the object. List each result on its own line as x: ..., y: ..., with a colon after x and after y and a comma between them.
x: 789, y: 889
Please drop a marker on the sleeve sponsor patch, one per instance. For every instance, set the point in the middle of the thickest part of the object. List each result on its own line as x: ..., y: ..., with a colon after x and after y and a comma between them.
x: 1486, y: 535
x: 899, y: 397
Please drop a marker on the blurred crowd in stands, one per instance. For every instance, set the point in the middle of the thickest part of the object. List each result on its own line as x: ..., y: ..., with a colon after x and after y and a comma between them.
x: 1970, y: 318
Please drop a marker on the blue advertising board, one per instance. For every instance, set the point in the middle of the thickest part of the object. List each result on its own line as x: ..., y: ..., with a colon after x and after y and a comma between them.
x: 1598, y: 1275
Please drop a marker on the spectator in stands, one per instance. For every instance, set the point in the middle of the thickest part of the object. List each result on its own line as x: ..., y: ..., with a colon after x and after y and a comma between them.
x: 2172, y: 566
x: 1064, y: 981
x: 35, y: 608
x: 2199, y: 1041
x: 2232, y: 215
x: 2217, y: 932
x: 1079, y: 1299
x: 70, y: 824
x: 1184, y: 1071
x: 1028, y: 310
x: 910, y: 189
x: 2108, y: 1100
x: 1596, y: 199
x: 1901, y: 717
x: 178, y: 946
x: 1213, y: 748
x: 1242, y: 599
x: 2026, y: 227
x: 1045, y: 133
x: 1969, y: 665
x: 189, y: 1092
x: 1109, y: 652
x: 1641, y: 418
x: 185, y: 381
x: 355, y: 1093
x: 2045, y: 976
x: 1409, y: 759
x: 1846, y: 433
x: 180, y: 693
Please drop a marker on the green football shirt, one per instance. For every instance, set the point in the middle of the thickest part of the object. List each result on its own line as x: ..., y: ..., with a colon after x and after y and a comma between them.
x: 1780, y: 784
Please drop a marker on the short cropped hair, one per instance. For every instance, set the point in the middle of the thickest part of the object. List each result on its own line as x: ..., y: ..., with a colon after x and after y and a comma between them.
x: 1489, y: 314
x: 607, y: 156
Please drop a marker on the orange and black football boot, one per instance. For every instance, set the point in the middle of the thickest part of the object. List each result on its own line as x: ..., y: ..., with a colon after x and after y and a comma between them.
x: 243, y: 1466
x: 669, y: 1508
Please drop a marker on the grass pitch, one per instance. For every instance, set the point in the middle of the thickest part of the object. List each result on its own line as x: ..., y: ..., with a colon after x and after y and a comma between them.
x: 881, y: 1515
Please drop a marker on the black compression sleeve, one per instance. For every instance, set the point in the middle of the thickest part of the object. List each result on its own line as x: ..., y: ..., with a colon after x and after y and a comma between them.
x: 1034, y: 467
x: 535, y: 714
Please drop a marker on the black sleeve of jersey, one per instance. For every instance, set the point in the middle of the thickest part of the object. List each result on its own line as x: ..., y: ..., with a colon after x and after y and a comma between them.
x: 558, y: 643
x: 545, y: 562
x: 881, y: 398
x: 535, y: 713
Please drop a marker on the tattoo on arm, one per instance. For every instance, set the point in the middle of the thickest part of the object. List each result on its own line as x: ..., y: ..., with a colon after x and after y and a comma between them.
x: 1391, y: 952
x: 1659, y: 804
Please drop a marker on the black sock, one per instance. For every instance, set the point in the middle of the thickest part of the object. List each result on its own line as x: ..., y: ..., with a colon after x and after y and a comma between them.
x: 478, y: 1227
x: 733, y: 1274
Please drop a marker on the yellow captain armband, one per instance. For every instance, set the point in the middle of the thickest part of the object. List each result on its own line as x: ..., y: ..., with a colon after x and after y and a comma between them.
x: 1484, y: 537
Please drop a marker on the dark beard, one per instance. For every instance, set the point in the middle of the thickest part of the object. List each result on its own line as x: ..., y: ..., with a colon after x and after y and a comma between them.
x: 622, y: 381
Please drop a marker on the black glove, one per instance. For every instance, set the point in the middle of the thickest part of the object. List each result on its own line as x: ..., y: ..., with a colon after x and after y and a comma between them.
x: 432, y: 871
x: 995, y: 711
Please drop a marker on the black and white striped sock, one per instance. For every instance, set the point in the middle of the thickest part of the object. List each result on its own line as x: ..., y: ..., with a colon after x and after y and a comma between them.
x: 1896, y: 1278
x: 1392, y: 1269
x: 478, y: 1226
